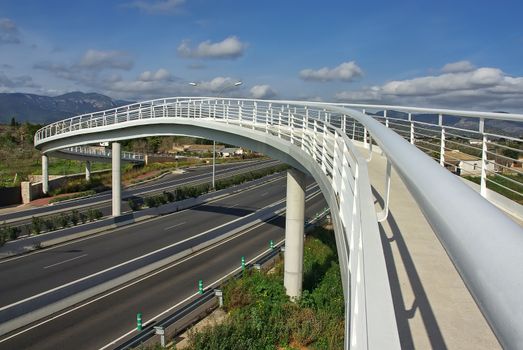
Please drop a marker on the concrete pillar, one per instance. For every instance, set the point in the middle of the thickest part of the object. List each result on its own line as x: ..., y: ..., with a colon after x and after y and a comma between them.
x: 88, y: 171
x: 117, y: 179
x: 294, y: 222
x: 45, y: 174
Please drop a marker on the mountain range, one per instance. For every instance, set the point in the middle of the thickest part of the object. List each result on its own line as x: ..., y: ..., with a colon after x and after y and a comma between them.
x: 45, y: 109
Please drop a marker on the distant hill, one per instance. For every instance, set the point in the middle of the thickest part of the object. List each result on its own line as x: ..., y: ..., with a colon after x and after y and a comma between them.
x: 45, y: 109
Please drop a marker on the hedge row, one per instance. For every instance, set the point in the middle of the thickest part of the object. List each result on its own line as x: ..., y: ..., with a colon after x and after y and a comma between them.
x: 49, y: 223
x: 72, y: 196
x: 194, y: 191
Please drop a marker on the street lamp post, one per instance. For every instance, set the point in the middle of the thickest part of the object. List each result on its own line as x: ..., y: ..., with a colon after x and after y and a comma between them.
x: 238, y: 83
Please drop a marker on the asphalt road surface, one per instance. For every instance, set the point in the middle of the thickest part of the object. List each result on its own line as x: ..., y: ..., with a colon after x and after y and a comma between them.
x: 169, y: 182
x: 103, y: 320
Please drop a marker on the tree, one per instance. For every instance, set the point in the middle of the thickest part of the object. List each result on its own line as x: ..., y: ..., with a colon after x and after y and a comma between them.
x: 13, y: 122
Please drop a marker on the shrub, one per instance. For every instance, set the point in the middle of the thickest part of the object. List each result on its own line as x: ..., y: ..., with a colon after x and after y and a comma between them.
x: 169, y: 196
x: 12, y: 232
x: 36, y: 225
x: 75, y: 217
x: 133, y: 204
x: 63, y: 220
x: 98, y: 214
x: 49, y: 224
x: 82, y: 217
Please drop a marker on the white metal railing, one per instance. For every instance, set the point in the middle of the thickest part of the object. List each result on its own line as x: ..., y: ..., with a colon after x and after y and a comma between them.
x: 103, y: 153
x: 468, y: 143
x: 325, y: 133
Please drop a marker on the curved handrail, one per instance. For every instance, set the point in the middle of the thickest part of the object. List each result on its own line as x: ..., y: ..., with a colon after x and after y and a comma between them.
x: 464, y: 225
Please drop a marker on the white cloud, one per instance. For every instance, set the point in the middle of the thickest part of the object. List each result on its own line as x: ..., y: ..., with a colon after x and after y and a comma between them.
x: 94, y: 59
x: 218, y: 84
x: 347, y: 71
x: 480, y: 88
x: 458, y: 67
x: 230, y: 48
x: 158, y: 7
x: 8, y: 84
x: 9, y: 33
x: 159, y: 75
x: 262, y: 92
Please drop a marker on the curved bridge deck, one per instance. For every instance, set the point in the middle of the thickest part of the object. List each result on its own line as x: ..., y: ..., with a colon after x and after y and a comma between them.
x: 433, y: 307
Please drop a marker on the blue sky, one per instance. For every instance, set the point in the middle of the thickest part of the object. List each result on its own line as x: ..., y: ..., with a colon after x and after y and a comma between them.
x: 455, y: 54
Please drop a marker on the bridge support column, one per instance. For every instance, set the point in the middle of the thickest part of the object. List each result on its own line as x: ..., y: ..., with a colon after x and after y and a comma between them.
x: 45, y: 174
x: 117, y: 179
x: 88, y: 171
x: 294, y: 222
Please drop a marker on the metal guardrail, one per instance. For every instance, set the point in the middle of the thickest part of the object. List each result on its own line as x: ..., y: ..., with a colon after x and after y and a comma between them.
x: 207, y: 296
x: 325, y: 133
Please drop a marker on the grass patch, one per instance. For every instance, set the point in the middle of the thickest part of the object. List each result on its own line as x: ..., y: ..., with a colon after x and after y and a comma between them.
x: 261, y: 316
x: 496, y: 181
x: 72, y: 196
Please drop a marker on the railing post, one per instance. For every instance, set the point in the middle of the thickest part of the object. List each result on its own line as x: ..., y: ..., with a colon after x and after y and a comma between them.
x: 411, y: 129
x: 254, y: 113
x: 442, y: 142
x: 386, y: 118
x: 484, y: 160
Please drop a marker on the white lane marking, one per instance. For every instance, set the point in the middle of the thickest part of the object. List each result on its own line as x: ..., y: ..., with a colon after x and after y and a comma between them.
x: 134, y: 259
x: 63, y: 262
x: 264, y: 194
x: 173, y: 226
x: 133, y: 330
x: 149, y: 276
x: 3, y: 261
x: 234, y: 206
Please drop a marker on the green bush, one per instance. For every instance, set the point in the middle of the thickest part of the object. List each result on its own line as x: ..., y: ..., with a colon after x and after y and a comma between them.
x: 73, y: 196
x: 63, y: 220
x: 262, y: 317
x: 83, y: 217
x: 36, y: 225
x: 133, y: 204
x: 75, y: 217
x: 50, y: 224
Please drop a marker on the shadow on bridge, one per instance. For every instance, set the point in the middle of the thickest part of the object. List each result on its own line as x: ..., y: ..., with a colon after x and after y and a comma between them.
x: 421, y: 302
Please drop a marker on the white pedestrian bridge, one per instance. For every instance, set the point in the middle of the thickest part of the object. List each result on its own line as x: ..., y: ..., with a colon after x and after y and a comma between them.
x: 428, y: 259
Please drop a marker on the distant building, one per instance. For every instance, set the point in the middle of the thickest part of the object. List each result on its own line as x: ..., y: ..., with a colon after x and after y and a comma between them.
x: 464, y: 164
x: 231, y: 152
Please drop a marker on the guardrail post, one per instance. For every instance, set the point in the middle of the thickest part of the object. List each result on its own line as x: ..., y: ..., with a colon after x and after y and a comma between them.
x: 45, y: 174
x: 117, y: 179
x: 294, y: 220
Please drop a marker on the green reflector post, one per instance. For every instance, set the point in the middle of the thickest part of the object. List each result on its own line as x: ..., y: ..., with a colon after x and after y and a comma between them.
x: 139, y: 321
x: 200, y: 286
x: 271, y: 244
x: 243, y: 263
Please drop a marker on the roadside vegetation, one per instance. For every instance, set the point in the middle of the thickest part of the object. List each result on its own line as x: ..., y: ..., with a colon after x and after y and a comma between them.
x: 193, y: 191
x: 261, y: 316
x: 42, y: 224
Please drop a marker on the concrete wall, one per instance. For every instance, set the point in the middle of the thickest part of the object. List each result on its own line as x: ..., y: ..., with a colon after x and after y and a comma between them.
x: 31, y: 190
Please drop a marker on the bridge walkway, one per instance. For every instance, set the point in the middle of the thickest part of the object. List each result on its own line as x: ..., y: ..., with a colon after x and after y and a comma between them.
x: 433, y: 307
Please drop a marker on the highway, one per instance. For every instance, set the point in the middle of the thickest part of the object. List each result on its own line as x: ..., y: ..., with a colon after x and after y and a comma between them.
x: 49, y: 269
x: 168, y: 182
